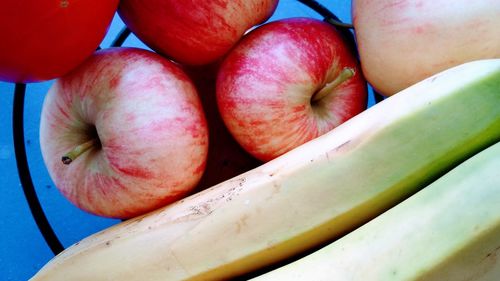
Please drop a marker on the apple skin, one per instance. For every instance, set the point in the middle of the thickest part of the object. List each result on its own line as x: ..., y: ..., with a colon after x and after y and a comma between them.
x: 404, y: 41
x: 152, y: 132
x: 266, y: 83
x: 226, y: 158
x: 193, y: 32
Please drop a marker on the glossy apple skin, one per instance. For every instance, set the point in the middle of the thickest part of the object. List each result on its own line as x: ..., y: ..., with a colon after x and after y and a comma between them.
x: 193, y: 32
x: 226, y: 158
x: 150, y: 123
x: 44, y: 39
x: 404, y: 41
x: 265, y: 86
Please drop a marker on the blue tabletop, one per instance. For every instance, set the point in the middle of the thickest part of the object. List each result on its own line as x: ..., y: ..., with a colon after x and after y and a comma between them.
x: 23, y: 250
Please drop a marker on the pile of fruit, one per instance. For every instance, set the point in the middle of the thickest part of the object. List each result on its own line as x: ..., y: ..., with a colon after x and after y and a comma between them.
x: 240, y: 148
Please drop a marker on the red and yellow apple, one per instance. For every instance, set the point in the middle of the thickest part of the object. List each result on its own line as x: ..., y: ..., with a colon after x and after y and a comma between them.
x: 193, y: 32
x: 226, y: 158
x: 130, y: 130
x: 401, y: 42
x: 287, y: 82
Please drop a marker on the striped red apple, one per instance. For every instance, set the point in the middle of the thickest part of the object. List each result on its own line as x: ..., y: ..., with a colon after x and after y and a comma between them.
x: 287, y: 82
x: 193, y: 32
x: 130, y: 130
x: 401, y: 42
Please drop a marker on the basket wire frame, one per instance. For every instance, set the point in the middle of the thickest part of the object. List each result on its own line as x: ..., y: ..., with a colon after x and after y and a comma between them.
x: 26, y: 180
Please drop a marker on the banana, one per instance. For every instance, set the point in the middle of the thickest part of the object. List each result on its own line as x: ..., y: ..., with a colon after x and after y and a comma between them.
x: 450, y: 230
x: 306, y: 197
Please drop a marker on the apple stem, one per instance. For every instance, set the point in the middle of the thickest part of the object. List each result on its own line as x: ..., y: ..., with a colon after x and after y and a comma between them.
x: 77, y: 151
x: 345, y: 74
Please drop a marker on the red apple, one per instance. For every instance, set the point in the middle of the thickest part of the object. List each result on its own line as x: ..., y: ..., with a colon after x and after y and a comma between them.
x: 131, y: 126
x: 193, y: 32
x: 226, y: 158
x: 286, y: 83
x: 44, y: 39
x: 404, y: 41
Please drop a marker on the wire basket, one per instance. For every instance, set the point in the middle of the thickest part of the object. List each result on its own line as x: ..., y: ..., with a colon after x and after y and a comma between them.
x: 38, y: 221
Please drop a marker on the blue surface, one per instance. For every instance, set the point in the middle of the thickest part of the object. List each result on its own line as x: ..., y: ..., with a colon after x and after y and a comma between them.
x: 23, y: 250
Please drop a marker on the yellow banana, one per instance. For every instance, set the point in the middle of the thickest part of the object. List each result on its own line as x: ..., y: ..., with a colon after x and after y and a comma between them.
x: 449, y: 231
x: 304, y: 198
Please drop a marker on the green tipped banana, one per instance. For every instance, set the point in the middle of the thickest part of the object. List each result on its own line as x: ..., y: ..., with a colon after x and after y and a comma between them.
x: 449, y: 231
x: 308, y: 196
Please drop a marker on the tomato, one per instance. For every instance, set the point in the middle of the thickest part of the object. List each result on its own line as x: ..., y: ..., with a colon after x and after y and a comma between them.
x: 44, y: 39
